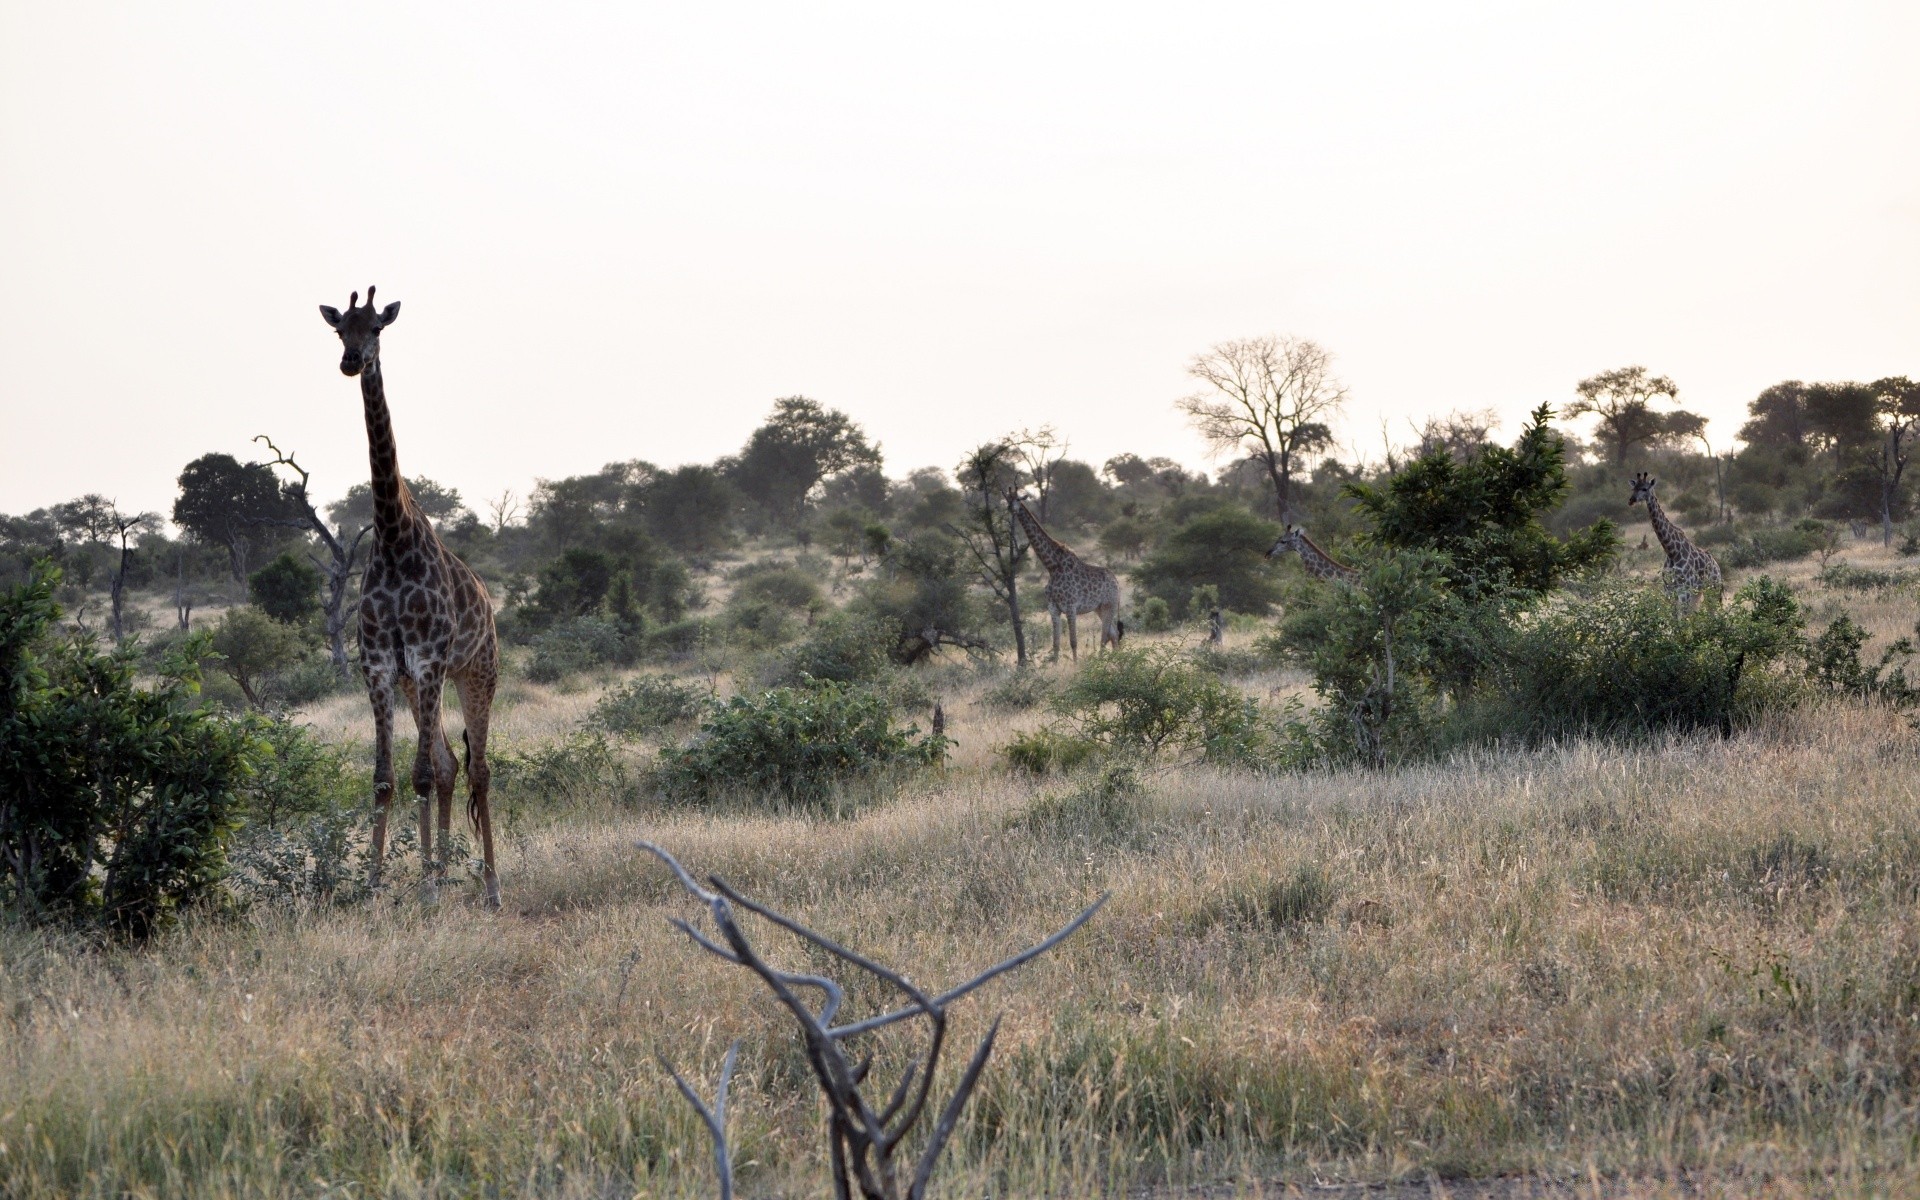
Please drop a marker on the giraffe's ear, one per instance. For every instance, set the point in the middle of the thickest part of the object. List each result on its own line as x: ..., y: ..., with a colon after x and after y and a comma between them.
x: 389, y: 314
x: 330, y: 315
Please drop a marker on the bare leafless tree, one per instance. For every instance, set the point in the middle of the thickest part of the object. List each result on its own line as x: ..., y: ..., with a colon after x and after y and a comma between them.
x: 1270, y: 398
x: 862, y: 1138
x: 505, y: 510
x: 1039, y: 452
x: 337, y: 567
x: 1460, y: 433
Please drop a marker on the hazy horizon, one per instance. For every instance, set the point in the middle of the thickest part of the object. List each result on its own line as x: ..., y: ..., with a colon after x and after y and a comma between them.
x: 622, y: 234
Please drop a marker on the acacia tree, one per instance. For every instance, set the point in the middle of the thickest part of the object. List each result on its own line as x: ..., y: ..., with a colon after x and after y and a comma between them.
x: 1623, y: 401
x: 1271, y: 398
x: 1040, y: 453
x: 801, y: 443
x: 990, y: 532
x: 223, y: 501
x: 337, y: 567
x: 100, y: 521
x: 1897, y: 412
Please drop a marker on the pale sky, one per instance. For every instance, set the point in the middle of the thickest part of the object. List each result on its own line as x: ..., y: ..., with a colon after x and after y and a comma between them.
x: 620, y: 231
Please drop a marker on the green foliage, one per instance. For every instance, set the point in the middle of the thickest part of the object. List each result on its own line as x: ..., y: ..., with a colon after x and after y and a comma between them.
x: 579, y: 644
x: 1833, y: 661
x: 1106, y: 808
x: 1046, y: 750
x: 571, y: 772
x: 770, y: 602
x: 923, y: 590
x: 1370, y: 647
x: 847, y: 647
x: 1156, y: 702
x: 647, y: 705
x: 798, y: 744
x: 305, y: 809
x: 1226, y: 548
x: 1786, y: 543
x: 255, y: 652
x: 802, y: 443
x: 116, y: 802
x: 286, y: 589
x: 1018, y: 691
x: 1154, y: 615
x: 1306, y: 896
x: 1484, y: 514
x: 1847, y: 578
x: 1625, y: 662
x: 224, y: 502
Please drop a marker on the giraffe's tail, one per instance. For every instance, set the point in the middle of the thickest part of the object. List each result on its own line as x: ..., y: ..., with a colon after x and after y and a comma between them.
x: 473, y: 802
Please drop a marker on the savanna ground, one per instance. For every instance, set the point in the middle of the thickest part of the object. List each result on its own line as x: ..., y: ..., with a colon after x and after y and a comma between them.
x: 1681, y: 967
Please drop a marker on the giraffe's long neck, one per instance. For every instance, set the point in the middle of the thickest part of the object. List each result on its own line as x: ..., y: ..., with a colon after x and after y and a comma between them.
x: 1319, y: 563
x: 1052, y: 553
x: 389, y: 490
x: 1672, y: 540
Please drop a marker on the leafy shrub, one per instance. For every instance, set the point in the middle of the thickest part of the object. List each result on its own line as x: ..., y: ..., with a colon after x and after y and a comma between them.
x: 1833, y: 661
x: 1018, y: 691
x: 845, y: 648
x: 1304, y: 897
x: 312, y: 678
x: 677, y: 637
x: 1105, y: 808
x: 1045, y: 750
x: 796, y: 743
x: 116, y: 802
x: 563, y: 773
x: 1846, y: 578
x: 1154, y: 615
x: 577, y: 644
x: 1158, y: 701
x: 304, y: 811
x: 286, y: 589
x: 255, y: 652
x: 1783, y: 544
x: 647, y: 705
x: 1625, y: 661
x: 1225, y: 548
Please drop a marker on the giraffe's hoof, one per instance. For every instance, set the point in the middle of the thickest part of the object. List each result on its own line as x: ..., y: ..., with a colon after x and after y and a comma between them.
x: 492, y: 901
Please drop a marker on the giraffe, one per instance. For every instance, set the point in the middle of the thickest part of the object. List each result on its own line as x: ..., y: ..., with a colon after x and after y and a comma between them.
x: 1073, y: 587
x: 1318, y: 562
x: 425, y: 620
x: 1690, y: 571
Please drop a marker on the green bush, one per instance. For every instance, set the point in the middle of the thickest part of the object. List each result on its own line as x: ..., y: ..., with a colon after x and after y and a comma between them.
x: 1154, y: 615
x: 1624, y: 661
x: 647, y: 705
x: 1225, y: 549
x: 578, y: 644
x: 847, y: 647
x: 572, y: 772
x: 1843, y: 577
x: 1158, y: 701
x: 116, y: 802
x: 305, y: 808
x: 1787, y: 543
x: 286, y: 589
x: 1020, y: 690
x: 795, y: 743
x: 256, y: 652
x: 677, y: 637
x: 1105, y: 808
x: 1045, y: 751
x: 1833, y: 661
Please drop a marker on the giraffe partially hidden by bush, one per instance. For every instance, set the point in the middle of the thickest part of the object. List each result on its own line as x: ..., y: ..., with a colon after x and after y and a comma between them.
x: 1690, y: 571
x: 1318, y: 562
x: 1073, y: 587
x: 425, y: 619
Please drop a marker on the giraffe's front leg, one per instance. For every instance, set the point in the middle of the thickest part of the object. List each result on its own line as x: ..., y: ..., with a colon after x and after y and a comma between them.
x: 1073, y: 633
x: 1053, y: 612
x: 427, y: 687
x: 380, y: 693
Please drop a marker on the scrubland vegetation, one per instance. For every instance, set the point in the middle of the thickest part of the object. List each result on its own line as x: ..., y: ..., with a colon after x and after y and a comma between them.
x: 1490, y: 865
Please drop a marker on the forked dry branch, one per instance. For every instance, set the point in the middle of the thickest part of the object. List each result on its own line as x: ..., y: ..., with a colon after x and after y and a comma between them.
x: 861, y: 1140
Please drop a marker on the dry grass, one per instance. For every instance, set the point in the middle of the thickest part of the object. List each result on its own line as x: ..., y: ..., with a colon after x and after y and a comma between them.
x: 1690, y: 967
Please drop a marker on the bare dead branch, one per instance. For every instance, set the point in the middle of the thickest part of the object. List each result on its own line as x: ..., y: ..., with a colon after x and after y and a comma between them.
x: 860, y: 1141
x: 715, y: 1117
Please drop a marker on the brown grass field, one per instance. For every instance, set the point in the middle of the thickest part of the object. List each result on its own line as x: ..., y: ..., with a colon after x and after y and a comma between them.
x: 1685, y: 967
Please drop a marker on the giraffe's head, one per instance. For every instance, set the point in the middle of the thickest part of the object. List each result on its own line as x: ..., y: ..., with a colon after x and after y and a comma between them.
x: 1290, y: 540
x: 359, y: 329
x: 1014, y: 499
x: 1642, y: 488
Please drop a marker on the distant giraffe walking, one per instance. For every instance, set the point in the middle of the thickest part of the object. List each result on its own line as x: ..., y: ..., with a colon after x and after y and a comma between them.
x: 1690, y: 571
x: 1318, y: 562
x: 1073, y: 587
x: 425, y: 619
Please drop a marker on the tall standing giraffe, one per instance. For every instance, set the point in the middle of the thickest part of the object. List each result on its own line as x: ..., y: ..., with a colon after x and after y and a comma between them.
x: 425, y: 620
x: 1073, y: 587
x: 1318, y: 562
x: 1690, y: 571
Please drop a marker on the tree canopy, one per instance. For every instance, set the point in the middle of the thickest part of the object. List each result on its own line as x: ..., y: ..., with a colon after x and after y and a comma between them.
x: 801, y: 443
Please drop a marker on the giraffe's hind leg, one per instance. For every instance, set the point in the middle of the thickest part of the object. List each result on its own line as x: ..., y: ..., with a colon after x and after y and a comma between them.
x: 476, y: 686
x: 432, y: 763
